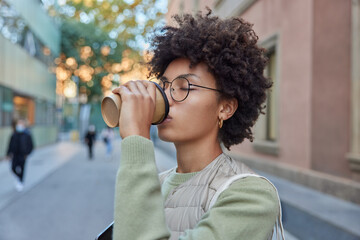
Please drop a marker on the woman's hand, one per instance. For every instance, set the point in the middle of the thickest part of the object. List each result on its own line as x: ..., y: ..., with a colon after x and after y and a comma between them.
x: 137, y: 108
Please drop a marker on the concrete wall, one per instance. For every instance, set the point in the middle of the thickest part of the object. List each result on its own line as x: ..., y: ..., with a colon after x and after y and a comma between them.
x: 187, y: 6
x: 27, y: 75
x: 331, y: 87
x: 292, y: 23
x: 314, y: 80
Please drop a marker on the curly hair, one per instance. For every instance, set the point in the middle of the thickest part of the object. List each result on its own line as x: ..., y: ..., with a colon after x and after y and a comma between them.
x: 229, y: 49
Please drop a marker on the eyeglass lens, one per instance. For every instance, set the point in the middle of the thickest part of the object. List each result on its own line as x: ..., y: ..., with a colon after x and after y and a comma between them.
x: 179, y: 88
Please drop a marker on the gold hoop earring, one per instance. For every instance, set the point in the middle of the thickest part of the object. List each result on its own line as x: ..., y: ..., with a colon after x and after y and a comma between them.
x: 221, y: 122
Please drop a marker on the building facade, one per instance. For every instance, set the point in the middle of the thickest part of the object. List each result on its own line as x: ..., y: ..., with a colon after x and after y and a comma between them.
x: 29, y: 42
x: 310, y: 132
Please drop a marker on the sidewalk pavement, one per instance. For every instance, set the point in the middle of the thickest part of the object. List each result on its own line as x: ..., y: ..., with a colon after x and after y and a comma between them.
x: 47, y: 159
x: 66, y: 195
x: 42, y: 162
x: 310, y: 214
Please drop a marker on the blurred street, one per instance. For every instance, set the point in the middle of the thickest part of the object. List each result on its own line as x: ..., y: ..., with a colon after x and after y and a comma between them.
x: 66, y: 196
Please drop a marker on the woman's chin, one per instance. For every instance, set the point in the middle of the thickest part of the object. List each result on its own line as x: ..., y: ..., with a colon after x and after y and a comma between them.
x: 165, y: 138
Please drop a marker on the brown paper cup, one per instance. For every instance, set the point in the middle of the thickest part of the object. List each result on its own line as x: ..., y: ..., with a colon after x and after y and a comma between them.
x: 111, y: 108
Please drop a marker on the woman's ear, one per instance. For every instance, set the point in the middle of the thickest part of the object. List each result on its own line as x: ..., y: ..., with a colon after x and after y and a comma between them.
x: 227, y: 108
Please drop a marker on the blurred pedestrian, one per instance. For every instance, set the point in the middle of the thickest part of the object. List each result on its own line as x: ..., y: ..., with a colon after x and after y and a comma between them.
x: 108, y: 135
x: 20, y: 146
x: 90, y: 138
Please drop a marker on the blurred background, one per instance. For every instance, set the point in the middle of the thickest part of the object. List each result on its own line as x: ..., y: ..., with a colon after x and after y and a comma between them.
x: 59, y: 58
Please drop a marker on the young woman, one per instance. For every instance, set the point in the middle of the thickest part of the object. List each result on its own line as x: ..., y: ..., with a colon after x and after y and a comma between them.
x: 212, y: 73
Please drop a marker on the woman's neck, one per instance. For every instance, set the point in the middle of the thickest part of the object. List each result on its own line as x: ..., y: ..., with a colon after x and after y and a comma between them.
x: 195, y: 156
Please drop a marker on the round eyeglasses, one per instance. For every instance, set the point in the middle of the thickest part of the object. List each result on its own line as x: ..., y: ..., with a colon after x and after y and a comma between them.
x: 180, y: 88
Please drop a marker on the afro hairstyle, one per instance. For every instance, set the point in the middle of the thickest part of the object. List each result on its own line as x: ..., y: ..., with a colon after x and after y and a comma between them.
x: 229, y: 49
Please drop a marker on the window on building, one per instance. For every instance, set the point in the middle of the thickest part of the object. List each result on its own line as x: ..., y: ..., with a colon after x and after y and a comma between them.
x: 50, y: 113
x: 45, y: 112
x: 354, y: 153
x: 266, y: 129
x: 41, y: 110
x: 6, y: 106
x: 24, y: 108
x: 29, y: 43
x: 272, y: 108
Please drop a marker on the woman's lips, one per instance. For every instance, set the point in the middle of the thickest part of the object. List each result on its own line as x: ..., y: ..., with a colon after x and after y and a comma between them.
x: 167, y: 119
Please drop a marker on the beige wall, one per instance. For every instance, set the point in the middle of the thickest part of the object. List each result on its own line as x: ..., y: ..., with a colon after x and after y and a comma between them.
x: 331, y: 86
x: 314, y: 79
x: 187, y: 6
x: 313, y: 47
x: 292, y: 24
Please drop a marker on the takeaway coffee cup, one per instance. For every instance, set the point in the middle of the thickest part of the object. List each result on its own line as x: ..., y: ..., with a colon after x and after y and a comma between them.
x: 111, y: 108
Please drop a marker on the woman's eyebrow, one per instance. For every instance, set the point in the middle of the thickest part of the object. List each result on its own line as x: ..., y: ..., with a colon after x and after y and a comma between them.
x: 163, y: 78
x: 193, y: 76
x: 188, y: 75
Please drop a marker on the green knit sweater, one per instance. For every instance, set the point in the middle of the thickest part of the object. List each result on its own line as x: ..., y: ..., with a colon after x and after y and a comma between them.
x: 246, y: 210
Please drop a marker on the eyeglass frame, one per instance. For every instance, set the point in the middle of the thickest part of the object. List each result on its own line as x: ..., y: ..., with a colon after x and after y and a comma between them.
x: 184, y: 76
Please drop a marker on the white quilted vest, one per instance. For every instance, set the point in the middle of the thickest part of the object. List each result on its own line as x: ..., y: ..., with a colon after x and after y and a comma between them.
x: 186, y: 204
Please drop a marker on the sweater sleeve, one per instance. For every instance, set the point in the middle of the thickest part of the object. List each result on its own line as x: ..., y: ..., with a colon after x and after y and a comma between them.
x: 248, y: 209
x: 139, y: 207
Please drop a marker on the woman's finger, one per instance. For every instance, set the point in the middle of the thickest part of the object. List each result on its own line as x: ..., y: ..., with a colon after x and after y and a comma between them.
x: 142, y: 88
x: 132, y: 86
x: 121, y: 90
x: 149, y: 87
